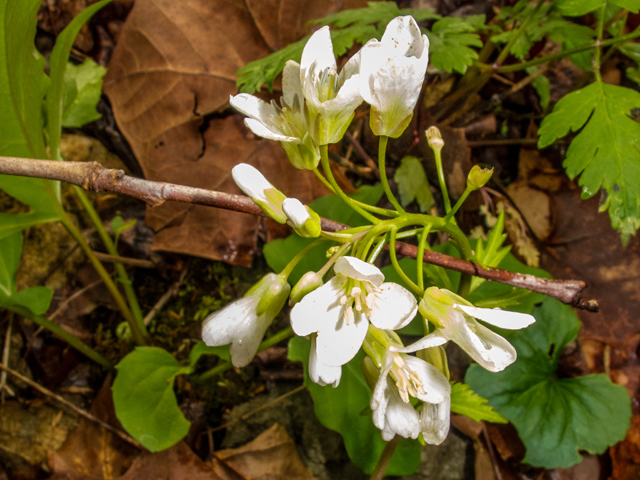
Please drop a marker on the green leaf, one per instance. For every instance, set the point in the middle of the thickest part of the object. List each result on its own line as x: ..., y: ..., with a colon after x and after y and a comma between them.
x: 36, y: 299
x: 451, y: 40
x: 87, y: 83
x: 144, y: 400
x: 605, y: 151
x: 465, y: 401
x: 279, y: 253
x: 576, y: 8
x: 412, y: 184
x: 58, y: 62
x: 555, y: 417
x: 491, y: 254
x: 542, y: 86
x: 200, y: 349
x: 341, y: 408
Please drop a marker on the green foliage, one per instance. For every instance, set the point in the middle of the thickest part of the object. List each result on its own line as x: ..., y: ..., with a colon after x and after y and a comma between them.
x: 450, y: 41
x: 542, y: 87
x: 491, y: 253
x: 118, y: 226
x: 605, y: 151
x: 465, y: 401
x: 341, y: 408
x: 412, y: 184
x: 555, y: 417
x: 144, y: 400
x: 280, y: 252
x: 83, y: 87
x: 576, y: 8
x: 200, y: 349
x: 632, y: 50
x: 36, y: 299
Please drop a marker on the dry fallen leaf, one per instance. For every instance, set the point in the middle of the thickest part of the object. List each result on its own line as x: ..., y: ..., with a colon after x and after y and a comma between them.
x: 174, y: 63
x: 271, y: 456
x: 91, y: 451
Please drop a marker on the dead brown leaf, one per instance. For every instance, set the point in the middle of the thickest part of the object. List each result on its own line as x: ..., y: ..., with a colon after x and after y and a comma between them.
x: 90, y: 451
x: 176, y: 62
x: 271, y: 456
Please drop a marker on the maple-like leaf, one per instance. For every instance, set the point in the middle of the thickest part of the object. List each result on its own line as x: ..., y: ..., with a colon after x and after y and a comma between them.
x: 451, y: 40
x: 605, y: 152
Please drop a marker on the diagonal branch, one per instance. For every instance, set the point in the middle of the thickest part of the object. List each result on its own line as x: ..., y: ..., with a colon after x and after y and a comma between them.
x: 93, y: 176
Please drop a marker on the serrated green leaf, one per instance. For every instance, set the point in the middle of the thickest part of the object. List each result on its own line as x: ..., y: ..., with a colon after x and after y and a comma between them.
x: 605, y: 152
x: 279, y: 253
x: 465, y: 401
x: 555, y: 417
x: 144, y: 400
x: 576, y: 8
x: 36, y: 299
x: 87, y: 82
x: 374, y: 13
x: 341, y: 408
x: 542, y: 87
x: 412, y: 184
x: 451, y: 40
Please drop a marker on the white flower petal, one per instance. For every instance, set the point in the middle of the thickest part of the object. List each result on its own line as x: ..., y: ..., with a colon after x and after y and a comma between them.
x: 225, y: 325
x: 291, y: 83
x: 401, y: 417
x: 319, y: 372
x: 318, y: 50
x: 403, y: 34
x: 339, y: 343
x: 378, y: 394
x: 250, y: 181
x: 351, y: 68
x: 296, y: 211
x: 254, y: 108
x: 434, y: 339
x: 355, y: 268
x: 489, y: 349
x: 318, y: 309
x: 435, y: 384
x: 435, y: 419
x: 347, y: 99
x: 387, y: 433
x: 380, y: 409
x: 261, y: 130
x: 245, y: 347
x: 392, y: 306
x: 500, y: 318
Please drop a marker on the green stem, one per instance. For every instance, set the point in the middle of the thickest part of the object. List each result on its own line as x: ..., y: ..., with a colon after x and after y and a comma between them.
x: 437, y: 153
x: 121, y: 271
x: 336, y: 188
x: 518, y: 33
x: 371, y: 208
x: 378, y: 248
x: 598, y: 50
x: 286, y: 271
x: 223, y: 367
x: 385, y: 458
x: 382, y: 153
x: 394, y: 261
x: 458, y: 204
x: 420, y: 256
x: 56, y: 329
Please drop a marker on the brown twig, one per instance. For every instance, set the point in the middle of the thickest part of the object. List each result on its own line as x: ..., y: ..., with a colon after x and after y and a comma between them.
x: 92, y: 176
x: 70, y: 405
x: 133, y: 262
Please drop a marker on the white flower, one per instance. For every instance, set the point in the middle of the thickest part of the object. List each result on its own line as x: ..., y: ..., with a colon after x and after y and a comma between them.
x: 455, y: 319
x: 331, y: 99
x: 266, y: 196
x: 287, y: 124
x: 390, y: 402
x: 391, y: 75
x: 302, y: 219
x: 244, y: 322
x: 435, y: 419
x: 341, y: 309
x: 319, y: 372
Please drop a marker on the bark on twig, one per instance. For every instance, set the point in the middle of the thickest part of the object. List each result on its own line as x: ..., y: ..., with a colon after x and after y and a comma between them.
x: 92, y: 176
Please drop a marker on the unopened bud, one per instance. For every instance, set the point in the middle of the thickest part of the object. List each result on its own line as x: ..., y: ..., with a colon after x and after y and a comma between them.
x: 371, y: 373
x: 263, y: 193
x: 478, y: 177
x: 274, y: 293
x: 437, y: 357
x: 307, y: 284
x: 301, y: 218
x: 434, y: 138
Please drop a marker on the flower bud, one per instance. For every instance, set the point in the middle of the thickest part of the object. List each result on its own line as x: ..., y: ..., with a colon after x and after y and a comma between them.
x: 265, y: 195
x: 437, y: 357
x: 434, y: 138
x: 437, y: 304
x: 273, y: 297
x: 307, y: 284
x: 301, y: 218
x: 370, y: 371
x: 478, y: 177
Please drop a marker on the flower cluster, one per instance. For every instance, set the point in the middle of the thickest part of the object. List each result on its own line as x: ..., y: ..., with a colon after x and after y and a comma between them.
x: 347, y: 306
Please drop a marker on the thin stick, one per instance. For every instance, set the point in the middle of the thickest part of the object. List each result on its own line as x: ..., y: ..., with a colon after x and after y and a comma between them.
x: 173, y: 289
x: 64, y: 304
x: 5, y: 356
x: 66, y: 403
x: 133, y: 262
x: 92, y: 176
x: 253, y: 412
